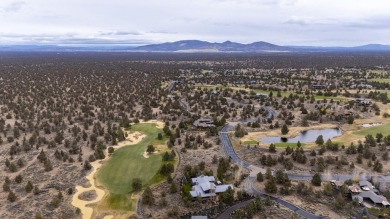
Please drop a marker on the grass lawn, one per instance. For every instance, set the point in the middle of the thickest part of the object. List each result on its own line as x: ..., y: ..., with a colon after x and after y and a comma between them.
x: 127, y: 163
x: 317, y: 97
x: 285, y: 144
x: 282, y: 144
x: 251, y: 142
x: 384, y: 129
x: 381, y: 80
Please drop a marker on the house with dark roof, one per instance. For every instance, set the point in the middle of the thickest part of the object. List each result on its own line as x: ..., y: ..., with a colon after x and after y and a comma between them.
x: 364, y: 190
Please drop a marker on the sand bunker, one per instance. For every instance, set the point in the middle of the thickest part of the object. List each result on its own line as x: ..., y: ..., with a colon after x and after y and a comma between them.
x: 146, y: 154
x: 366, y: 125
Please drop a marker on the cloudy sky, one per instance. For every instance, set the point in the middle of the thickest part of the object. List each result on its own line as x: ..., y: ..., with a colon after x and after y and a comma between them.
x: 283, y: 22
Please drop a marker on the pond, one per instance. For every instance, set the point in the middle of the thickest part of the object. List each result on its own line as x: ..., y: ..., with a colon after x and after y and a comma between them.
x: 305, y: 136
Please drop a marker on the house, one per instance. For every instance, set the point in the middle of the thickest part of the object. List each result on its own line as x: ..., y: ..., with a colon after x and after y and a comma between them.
x: 363, y: 102
x: 205, y: 187
x: 259, y: 95
x: 336, y: 183
x: 375, y: 198
x: 366, y: 186
x: 203, y: 123
x: 199, y: 217
x: 348, y: 113
x: 318, y: 86
x: 364, y: 190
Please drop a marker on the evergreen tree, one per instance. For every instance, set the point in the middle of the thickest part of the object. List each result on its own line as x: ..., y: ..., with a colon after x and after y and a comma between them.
x: 316, y: 180
x: 11, y: 196
x: 270, y: 186
x: 136, y: 184
x: 87, y: 165
x: 285, y: 129
x: 29, y: 187
x: 320, y: 140
x: 259, y: 177
x: 147, y: 197
x: 150, y: 149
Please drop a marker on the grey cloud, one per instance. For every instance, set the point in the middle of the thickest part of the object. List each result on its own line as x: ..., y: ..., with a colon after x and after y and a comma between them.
x: 14, y: 6
x: 368, y: 23
x: 67, y: 39
x: 120, y: 33
x: 262, y: 2
x: 310, y: 21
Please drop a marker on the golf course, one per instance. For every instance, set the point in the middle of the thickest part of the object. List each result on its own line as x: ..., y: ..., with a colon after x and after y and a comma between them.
x: 116, y: 173
x: 127, y: 163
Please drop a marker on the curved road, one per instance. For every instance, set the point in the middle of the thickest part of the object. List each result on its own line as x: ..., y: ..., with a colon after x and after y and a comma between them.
x: 228, y: 212
x: 251, y: 190
x: 229, y: 150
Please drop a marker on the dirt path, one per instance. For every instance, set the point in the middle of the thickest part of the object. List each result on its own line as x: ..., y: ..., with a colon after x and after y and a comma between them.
x: 133, y: 138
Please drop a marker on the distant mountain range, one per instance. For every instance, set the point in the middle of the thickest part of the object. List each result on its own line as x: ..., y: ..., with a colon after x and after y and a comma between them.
x: 197, y: 46
x: 256, y: 47
x: 203, y: 46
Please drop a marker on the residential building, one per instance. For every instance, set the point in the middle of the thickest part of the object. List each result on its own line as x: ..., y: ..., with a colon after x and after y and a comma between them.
x: 205, y: 187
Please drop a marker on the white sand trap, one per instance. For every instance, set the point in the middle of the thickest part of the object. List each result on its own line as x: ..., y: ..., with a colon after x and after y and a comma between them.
x: 366, y: 125
x: 146, y: 154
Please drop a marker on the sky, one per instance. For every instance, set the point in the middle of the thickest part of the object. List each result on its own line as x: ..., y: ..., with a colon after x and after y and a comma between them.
x: 139, y: 22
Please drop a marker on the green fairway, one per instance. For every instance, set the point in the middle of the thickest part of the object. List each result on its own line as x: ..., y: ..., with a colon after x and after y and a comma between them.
x: 252, y: 142
x: 285, y: 144
x: 128, y: 163
x: 384, y: 129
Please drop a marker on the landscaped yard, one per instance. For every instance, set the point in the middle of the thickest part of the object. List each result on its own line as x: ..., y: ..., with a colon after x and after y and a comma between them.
x: 128, y: 163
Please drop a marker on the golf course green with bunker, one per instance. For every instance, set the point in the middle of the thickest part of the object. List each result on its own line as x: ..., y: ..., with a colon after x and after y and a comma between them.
x: 129, y: 162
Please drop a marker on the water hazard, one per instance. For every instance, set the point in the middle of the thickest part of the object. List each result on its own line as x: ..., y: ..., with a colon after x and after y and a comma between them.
x: 305, y: 136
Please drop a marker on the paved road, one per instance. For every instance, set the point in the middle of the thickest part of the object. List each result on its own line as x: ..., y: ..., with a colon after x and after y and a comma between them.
x: 229, y: 150
x: 170, y: 86
x: 228, y: 147
x: 228, y: 212
x: 251, y: 190
x: 185, y: 105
